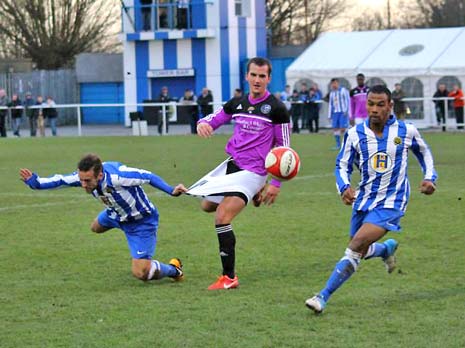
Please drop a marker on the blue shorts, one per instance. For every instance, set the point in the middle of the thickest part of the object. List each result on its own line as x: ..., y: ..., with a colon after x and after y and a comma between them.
x: 339, y: 120
x: 141, y: 234
x: 388, y: 219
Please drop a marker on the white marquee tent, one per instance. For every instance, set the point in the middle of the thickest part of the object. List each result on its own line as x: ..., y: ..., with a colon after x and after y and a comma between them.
x: 417, y: 58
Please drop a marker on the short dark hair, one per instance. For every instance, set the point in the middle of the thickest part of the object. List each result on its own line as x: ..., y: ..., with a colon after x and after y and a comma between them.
x: 360, y: 75
x: 90, y: 161
x: 380, y: 89
x: 260, y: 61
x: 334, y: 79
x: 238, y: 90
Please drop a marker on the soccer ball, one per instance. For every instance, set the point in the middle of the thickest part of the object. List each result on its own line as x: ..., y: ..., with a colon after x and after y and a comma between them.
x: 282, y: 162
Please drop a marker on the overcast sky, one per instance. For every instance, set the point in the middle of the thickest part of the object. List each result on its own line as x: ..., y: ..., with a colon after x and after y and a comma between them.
x: 359, y: 7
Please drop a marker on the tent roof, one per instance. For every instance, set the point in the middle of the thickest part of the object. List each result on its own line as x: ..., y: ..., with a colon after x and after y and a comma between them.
x: 452, y: 61
x: 384, y: 53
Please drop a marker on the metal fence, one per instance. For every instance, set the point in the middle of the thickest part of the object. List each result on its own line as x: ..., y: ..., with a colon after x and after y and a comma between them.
x: 62, y: 85
x: 71, y: 114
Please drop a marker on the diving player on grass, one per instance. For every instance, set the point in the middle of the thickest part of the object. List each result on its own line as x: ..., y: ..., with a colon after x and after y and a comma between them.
x: 380, y: 147
x: 128, y: 208
x: 261, y: 123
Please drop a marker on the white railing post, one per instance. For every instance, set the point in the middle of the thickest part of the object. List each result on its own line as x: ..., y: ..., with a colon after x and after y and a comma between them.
x: 163, y: 113
x: 446, y: 112
x: 79, y: 121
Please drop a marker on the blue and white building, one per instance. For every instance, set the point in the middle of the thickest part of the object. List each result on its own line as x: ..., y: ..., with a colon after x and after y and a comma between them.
x: 189, y: 44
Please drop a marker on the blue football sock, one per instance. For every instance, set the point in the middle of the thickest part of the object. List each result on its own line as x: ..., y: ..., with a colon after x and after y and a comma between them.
x: 376, y: 250
x: 343, y: 270
x: 160, y: 270
x: 338, y: 140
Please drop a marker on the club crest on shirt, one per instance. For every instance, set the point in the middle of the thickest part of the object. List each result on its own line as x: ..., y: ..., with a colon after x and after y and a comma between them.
x: 250, y: 109
x: 265, y: 109
x: 381, y: 162
x: 397, y: 141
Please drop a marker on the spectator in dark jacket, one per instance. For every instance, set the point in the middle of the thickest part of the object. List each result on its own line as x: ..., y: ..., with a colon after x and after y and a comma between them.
x: 204, y: 100
x: 440, y: 105
x: 189, y: 100
x: 296, y: 110
x: 305, y: 99
x: 400, y: 108
x: 164, y: 97
x: 31, y: 114
x: 16, y: 113
x: 3, y: 112
x: 50, y: 112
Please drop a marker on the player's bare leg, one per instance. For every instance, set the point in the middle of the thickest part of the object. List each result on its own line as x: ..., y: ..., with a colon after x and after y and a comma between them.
x: 208, y: 207
x: 226, y: 211
x: 141, y: 267
x: 146, y: 269
x: 97, y: 228
x: 367, y: 235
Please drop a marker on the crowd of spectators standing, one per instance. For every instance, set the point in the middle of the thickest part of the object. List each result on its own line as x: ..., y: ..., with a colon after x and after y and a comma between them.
x: 305, y: 104
x: 36, y: 110
x: 345, y: 108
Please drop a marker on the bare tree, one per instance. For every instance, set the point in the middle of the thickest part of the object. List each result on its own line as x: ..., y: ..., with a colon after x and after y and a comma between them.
x: 300, y: 22
x: 371, y: 21
x: 53, y: 32
x: 441, y: 13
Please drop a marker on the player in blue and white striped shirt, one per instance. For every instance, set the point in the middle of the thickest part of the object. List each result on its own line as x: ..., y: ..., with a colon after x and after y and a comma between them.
x: 128, y: 208
x: 379, y: 147
x: 338, y: 110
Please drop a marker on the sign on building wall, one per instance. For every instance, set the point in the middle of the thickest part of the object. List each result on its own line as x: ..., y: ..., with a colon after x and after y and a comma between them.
x: 160, y: 73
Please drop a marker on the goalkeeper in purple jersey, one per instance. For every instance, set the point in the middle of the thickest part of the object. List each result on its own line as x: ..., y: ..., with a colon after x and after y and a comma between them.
x: 261, y: 123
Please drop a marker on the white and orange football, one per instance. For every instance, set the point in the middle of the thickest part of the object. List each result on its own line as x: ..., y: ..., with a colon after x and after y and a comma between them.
x: 282, y: 162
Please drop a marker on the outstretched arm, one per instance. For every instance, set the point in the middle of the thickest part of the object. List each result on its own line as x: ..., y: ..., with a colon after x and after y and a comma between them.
x: 206, y: 125
x: 37, y: 183
x: 135, y: 177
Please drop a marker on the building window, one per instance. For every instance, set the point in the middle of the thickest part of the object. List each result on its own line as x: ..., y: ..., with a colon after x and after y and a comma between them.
x: 375, y: 81
x: 413, y: 88
x: 242, y: 8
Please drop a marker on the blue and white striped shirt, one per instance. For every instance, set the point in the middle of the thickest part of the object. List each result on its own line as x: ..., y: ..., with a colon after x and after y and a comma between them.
x: 339, y: 101
x: 382, y: 163
x: 120, y: 189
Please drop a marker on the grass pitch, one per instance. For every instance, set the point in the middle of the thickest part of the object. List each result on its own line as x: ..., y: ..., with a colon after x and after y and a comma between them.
x: 63, y: 286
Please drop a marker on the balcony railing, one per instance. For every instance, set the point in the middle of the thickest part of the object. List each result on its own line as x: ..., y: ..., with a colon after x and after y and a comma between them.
x: 176, y: 15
